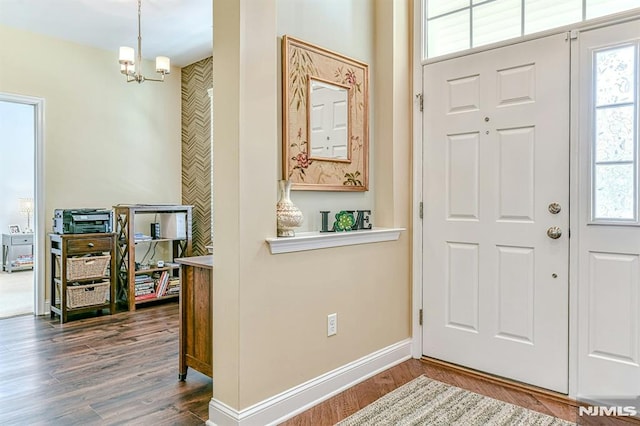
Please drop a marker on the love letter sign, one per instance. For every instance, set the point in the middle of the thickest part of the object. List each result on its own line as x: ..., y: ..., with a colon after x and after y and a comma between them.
x: 346, y: 220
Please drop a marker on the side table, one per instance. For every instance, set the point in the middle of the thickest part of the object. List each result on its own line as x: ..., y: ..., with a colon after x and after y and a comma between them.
x: 9, y: 243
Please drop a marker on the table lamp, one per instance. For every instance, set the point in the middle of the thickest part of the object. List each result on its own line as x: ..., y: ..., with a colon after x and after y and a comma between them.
x: 26, y: 208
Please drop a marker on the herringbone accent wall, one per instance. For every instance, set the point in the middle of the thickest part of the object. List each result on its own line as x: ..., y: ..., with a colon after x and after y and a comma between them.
x: 197, y: 78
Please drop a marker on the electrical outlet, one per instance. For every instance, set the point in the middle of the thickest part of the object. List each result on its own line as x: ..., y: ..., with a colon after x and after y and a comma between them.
x: 332, y: 324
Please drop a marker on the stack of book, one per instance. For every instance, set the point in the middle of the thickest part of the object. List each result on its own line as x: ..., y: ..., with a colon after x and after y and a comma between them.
x: 161, y: 284
x: 144, y: 287
x: 139, y: 236
x: 167, y: 285
x: 23, y: 261
x: 173, y: 287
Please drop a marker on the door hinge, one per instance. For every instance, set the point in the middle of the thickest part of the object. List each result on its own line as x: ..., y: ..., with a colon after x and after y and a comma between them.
x: 421, y: 212
x: 420, y: 316
x: 420, y: 99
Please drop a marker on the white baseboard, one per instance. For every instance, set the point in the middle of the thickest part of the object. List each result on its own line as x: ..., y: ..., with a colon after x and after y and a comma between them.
x: 287, y: 404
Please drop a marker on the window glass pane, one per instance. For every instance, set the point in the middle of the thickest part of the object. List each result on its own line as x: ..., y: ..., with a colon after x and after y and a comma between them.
x: 540, y: 15
x: 614, y: 191
x: 448, y: 34
x: 614, y: 134
x: 496, y: 21
x: 596, y: 8
x: 438, y: 7
x: 614, y: 75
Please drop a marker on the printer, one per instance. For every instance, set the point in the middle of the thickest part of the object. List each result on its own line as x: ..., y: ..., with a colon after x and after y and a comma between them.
x: 82, y: 221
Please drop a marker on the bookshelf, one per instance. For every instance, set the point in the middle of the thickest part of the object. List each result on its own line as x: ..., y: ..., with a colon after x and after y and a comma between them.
x: 147, y: 272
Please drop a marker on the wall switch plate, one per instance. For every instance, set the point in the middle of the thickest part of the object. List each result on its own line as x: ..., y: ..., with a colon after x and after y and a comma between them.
x: 332, y: 324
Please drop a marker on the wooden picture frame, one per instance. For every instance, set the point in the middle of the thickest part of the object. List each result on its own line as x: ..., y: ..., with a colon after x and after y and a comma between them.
x: 302, y: 63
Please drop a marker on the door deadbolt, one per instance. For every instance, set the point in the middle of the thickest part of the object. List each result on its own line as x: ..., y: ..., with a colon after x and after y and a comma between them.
x: 554, y: 208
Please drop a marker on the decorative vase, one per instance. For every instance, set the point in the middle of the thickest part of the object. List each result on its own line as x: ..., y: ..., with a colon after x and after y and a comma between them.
x: 288, y: 216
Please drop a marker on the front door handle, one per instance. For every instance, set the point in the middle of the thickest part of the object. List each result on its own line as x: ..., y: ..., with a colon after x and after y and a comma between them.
x: 554, y: 232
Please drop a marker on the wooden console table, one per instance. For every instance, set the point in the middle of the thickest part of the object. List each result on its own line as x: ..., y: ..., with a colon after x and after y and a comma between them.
x: 196, y: 315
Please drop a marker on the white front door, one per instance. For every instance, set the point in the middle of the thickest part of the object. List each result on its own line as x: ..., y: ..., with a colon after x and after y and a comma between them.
x: 609, y: 216
x: 328, y: 121
x: 495, y: 181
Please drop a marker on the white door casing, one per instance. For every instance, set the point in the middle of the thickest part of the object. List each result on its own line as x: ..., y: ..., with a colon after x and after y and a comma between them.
x: 608, y: 253
x: 495, y: 156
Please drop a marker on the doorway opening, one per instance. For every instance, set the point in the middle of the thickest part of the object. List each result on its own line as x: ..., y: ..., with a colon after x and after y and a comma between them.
x: 21, y: 121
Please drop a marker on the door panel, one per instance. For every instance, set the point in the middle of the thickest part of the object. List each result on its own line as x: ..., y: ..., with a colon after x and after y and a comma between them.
x: 608, y: 253
x: 329, y: 123
x: 496, y: 154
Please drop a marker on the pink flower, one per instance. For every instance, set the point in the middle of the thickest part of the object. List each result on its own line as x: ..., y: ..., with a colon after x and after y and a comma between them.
x: 303, y: 160
x: 350, y: 77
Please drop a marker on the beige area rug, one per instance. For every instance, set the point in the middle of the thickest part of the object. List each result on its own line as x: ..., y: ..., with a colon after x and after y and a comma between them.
x: 16, y: 293
x: 424, y: 401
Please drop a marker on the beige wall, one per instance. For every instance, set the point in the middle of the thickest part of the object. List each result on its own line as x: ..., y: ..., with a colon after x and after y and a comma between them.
x: 270, y: 311
x: 105, y: 141
x: 346, y: 27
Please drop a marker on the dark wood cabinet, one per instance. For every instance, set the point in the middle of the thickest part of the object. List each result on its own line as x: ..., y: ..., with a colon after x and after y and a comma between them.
x: 196, y: 315
x: 82, y: 273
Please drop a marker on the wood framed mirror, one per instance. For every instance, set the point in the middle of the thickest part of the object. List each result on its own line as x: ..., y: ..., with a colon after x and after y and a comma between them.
x: 325, y: 119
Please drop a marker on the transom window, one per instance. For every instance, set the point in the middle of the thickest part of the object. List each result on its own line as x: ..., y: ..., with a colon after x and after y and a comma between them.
x: 456, y: 25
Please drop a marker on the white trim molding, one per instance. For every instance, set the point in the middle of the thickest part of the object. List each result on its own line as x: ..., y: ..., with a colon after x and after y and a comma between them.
x: 300, y: 398
x: 417, y: 159
x: 319, y: 240
x: 39, y: 226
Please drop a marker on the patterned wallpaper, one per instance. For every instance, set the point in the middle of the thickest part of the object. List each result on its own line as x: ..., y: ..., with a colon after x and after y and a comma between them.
x: 197, y: 78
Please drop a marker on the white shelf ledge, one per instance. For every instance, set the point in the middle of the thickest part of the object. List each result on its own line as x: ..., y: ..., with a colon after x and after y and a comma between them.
x: 319, y: 240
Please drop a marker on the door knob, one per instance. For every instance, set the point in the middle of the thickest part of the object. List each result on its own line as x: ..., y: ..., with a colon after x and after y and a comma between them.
x: 554, y: 208
x: 554, y: 232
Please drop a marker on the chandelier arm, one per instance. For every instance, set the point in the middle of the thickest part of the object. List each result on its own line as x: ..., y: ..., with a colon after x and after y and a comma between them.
x: 155, y: 79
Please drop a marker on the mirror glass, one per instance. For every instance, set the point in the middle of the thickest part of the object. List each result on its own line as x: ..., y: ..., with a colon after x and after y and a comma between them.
x: 328, y: 120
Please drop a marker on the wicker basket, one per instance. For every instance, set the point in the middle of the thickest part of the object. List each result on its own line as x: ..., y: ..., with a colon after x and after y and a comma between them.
x: 87, y: 294
x: 80, y: 268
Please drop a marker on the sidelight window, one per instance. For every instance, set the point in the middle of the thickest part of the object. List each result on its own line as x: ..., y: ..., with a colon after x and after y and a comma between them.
x: 614, y: 134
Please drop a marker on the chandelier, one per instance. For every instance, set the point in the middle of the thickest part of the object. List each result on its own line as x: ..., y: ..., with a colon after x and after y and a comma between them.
x: 132, y: 68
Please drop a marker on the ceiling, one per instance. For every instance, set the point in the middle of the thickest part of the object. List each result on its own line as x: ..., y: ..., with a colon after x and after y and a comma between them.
x: 179, y: 29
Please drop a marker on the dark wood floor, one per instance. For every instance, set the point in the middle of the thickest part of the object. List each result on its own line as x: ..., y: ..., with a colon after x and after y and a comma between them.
x: 113, y: 369
x: 359, y: 396
x: 123, y: 369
